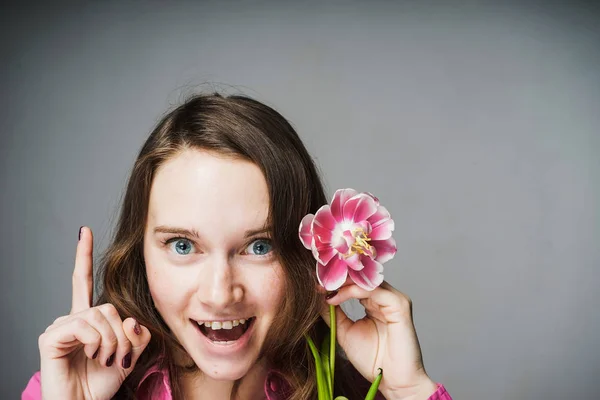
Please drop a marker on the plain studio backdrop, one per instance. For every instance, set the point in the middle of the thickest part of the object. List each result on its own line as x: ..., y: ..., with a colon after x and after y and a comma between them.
x: 476, y: 124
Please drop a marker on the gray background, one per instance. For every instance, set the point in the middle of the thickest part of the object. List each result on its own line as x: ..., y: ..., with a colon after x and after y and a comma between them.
x: 477, y: 124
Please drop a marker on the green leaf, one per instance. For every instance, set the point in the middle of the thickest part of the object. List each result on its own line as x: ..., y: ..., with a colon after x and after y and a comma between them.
x: 322, y: 391
x: 374, y: 386
x: 332, y: 336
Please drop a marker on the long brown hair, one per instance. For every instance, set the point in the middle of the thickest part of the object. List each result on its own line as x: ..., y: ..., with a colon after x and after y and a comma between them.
x: 243, y: 128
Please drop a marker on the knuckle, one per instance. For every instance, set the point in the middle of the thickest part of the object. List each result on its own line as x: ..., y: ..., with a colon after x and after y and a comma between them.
x: 405, y: 303
x: 58, y: 321
x: 80, y: 323
x: 97, y: 336
x: 96, y: 315
x: 109, y: 310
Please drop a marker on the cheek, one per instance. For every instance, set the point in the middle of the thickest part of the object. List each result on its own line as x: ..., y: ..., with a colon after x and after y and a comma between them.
x: 166, y: 292
x: 275, y: 281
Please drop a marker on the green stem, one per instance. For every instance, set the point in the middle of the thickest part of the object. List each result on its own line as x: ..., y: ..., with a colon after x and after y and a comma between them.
x: 374, y: 386
x: 322, y: 391
x: 332, y: 336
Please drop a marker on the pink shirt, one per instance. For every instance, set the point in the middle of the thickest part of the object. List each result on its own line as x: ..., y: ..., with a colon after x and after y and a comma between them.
x: 155, y: 386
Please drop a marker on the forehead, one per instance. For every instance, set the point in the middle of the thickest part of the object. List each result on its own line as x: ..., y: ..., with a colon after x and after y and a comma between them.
x: 204, y: 190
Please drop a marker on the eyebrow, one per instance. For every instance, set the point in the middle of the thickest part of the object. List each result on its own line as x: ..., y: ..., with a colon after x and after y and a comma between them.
x: 194, y: 233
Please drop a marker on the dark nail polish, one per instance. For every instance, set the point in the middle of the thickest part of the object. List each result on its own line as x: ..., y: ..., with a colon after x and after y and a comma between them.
x: 80, y: 228
x: 110, y: 360
x: 95, y: 354
x: 331, y: 295
x: 126, y: 361
x: 136, y: 328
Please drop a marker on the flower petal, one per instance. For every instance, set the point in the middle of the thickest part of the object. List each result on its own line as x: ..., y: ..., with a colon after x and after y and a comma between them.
x: 370, y: 276
x: 383, y: 231
x: 341, y: 243
x: 359, y: 208
x: 324, y: 235
x: 373, y: 196
x: 385, y: 249
x: 333, y: 275
x: 379, y: 217
x: 322, y: 252
x: 382, y: 224
x: 323, y: 224
x: 340, y: 197
x: 354, y: 262
x: 304, y: 230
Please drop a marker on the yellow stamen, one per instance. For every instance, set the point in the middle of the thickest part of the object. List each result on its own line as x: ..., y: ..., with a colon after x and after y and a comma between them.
x: 361, y: 242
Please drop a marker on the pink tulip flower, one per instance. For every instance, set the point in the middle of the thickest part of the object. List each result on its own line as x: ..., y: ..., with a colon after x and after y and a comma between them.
x: 352, y: 236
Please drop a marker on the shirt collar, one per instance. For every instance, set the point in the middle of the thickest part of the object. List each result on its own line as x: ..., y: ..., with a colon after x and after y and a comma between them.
x: 155, y: 385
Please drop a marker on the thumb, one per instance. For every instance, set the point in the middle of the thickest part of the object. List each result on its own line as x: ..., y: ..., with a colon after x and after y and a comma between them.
x: 139, y: 336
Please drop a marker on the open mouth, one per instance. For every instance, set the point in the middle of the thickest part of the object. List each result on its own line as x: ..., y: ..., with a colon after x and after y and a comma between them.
x: 225, y: 332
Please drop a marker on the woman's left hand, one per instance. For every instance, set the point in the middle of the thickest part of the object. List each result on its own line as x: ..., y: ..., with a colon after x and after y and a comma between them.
x: 385, y: 338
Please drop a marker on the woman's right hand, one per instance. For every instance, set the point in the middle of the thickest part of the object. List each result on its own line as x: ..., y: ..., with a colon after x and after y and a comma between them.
x: 88, y: 353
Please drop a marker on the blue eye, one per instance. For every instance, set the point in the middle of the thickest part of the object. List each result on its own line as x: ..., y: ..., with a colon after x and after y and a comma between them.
x: 182, y: 246
x: 260, y: 247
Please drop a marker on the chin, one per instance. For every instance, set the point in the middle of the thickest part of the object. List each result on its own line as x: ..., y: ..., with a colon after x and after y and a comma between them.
x: 224, y: 360
x: 224, y: 370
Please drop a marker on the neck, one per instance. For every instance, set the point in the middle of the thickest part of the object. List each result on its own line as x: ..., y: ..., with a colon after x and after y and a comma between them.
x: 199, y: 386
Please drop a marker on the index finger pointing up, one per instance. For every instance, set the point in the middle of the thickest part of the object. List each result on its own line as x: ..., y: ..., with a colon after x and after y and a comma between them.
x: 83, y: 280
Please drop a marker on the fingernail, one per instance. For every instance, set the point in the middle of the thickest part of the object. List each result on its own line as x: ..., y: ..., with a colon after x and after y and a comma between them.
x: 95, y: 354
x: 126, y: 361
x: 331, y: 295
x: 137, y: 329
x: 80, y: 228
x: 110, y: 360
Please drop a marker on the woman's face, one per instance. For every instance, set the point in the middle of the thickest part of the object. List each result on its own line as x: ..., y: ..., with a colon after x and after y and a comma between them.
x: 211, y: 270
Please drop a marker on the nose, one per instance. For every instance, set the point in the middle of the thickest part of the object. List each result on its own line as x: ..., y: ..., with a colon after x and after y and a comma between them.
x: 218, y: 287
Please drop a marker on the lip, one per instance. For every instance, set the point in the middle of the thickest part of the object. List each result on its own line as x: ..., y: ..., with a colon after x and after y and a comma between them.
x: 229, y: 348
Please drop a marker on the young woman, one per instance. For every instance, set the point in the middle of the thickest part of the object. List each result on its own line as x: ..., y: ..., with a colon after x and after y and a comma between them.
x: 207, y: 291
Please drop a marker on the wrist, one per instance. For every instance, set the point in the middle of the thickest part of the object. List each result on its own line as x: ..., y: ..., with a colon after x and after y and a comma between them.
x: 420, y: 391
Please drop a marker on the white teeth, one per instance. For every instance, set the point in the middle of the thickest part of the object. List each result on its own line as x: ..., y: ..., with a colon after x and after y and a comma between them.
x: 227, y: 324
x: 216, y: 325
